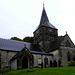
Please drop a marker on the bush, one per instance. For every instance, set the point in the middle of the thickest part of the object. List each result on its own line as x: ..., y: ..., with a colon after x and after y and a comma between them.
x: 71, y: 63
x: 34, y: 70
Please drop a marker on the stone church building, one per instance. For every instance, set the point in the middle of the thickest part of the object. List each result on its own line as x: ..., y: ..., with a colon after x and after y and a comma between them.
x: 48, y: 49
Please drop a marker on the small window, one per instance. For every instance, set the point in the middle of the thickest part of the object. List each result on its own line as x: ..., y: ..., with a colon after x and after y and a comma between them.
x: 68, y: 56
x: 39, y: 61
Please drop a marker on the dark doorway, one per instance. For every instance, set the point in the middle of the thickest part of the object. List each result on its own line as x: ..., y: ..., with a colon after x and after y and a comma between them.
x: 24, y: 62
x: 59, y: 63
x: 50, y: 63
x: 45, y: 62
x: 68, y: 56
x: 54, y: 63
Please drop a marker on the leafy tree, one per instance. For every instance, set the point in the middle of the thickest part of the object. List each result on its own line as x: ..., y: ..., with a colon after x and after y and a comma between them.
x: 16, y: 38
x: 28, y: 39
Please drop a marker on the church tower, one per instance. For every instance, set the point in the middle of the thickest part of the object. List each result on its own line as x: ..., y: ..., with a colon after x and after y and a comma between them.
x: 45, y: 33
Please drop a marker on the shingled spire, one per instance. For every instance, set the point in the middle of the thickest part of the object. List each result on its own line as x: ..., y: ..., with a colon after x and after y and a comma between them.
x: 44, y: 17
x: 44, y: 20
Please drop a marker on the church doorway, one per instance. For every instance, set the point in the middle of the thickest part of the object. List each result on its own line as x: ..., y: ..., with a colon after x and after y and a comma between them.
x: 45, y: 62
x: 24, y: 62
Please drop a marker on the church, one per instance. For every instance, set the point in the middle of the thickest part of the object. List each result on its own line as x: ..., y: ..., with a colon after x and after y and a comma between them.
x: 48, y: 49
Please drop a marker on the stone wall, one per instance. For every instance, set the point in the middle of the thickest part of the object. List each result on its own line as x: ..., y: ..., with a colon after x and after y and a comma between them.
x: 39, y: 59
x: 36, y: 58
x: 67, y: 46
x: 55, y: 57
x: 44, y: 36
x: 5, y: 57
x: 64, y: 52
x: 62, y: 55
x: 14, y: 64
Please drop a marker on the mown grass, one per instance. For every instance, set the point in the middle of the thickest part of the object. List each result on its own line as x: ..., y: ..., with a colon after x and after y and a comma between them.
x: 44, y: 71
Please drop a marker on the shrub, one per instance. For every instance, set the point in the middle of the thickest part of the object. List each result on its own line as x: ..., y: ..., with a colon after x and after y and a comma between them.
x: 71, y: 63
x: 34, y: 70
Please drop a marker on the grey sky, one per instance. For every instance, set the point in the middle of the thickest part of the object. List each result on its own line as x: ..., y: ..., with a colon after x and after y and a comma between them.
x: 21, y: 17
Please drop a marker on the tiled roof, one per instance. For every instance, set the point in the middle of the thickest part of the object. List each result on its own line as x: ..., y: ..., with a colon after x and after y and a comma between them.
x: 13, y: 45
x: 56, y: 44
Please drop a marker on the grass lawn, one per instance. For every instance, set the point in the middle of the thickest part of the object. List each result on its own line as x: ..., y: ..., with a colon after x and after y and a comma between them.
x: 44, y: 71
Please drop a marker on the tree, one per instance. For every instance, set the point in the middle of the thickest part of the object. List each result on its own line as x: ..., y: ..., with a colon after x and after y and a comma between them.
x: 28, y: 39
x: 15, y: 38
x: 25, y: 39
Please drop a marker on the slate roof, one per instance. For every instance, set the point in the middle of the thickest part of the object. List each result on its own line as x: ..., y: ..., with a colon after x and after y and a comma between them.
x: 13, y: 45
x: 56, y: 44
x: 45, y: 21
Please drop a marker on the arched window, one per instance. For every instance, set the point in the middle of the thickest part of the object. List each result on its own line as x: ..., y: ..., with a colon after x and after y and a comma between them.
x: 73, y: 56
x: 50, y: 63
x: 59, y: 63
x: 45, y: 62
x: 68, y: 56
x: 54, y: 63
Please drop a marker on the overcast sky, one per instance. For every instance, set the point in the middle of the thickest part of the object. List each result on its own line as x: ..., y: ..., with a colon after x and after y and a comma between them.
x: 21, y: 17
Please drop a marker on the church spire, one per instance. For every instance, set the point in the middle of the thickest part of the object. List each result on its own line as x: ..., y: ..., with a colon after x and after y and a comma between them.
x: 44, y: 20
x: 44, y: 17
x: 43, y: 4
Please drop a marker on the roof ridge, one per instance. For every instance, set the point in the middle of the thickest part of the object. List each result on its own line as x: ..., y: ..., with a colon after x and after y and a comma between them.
x: 14, y: 40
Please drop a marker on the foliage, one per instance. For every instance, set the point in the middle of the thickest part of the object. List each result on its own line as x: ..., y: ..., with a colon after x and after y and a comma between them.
x: 71, y: 63
x: 4, y: 71
x: 25, y: 39
x: 34, y: 70
x: 16, y: 38
x: 44, y: 71
x: 28, y: 39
